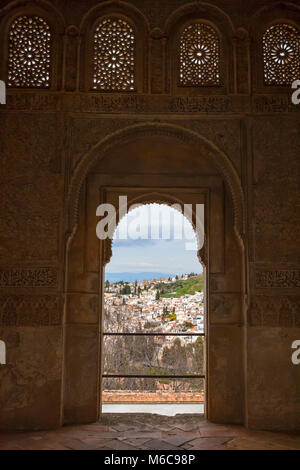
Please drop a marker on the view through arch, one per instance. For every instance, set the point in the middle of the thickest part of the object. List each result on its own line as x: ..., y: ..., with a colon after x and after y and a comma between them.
x: 153, y: 340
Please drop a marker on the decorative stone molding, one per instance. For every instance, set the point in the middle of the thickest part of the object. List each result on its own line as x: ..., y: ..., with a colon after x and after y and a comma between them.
x: 148, y: 104
x: 28, y: 277
x: 200, y: 9
x: 98, y: 151
x: 156, y: 33
x: 241, y: 34
x: 276, y: 311
x: 122, y: 103
x: 280, y: 103
x: 107, y: 251
x: 113, y: 6
x: 24, y: 310
x: 71, y: 43
x: 72, y: 30
x: 18, y: 101
x: 202, y: 255
x: 272, y: 278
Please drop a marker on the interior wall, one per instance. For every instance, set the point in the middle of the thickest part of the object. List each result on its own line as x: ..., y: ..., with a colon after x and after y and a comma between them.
x: 47, y: 140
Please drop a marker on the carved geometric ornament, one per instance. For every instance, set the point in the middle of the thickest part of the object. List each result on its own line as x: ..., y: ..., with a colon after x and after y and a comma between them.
x: 281, y: 53
x: 114, y: 50
x: 29, y: 53
x: 199, y: 56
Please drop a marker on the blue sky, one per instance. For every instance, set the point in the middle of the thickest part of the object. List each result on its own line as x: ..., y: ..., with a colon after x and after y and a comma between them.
x: 138, y: 252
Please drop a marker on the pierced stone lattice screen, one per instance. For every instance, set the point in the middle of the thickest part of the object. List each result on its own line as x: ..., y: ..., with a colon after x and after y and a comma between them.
x: 281, y: 52
x: 29, y: 53
x: 199, y: 56
x: 114, y: 56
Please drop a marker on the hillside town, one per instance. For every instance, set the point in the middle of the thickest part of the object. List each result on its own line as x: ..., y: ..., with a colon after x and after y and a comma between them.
x: 153, y: 306
x: 165, y: 305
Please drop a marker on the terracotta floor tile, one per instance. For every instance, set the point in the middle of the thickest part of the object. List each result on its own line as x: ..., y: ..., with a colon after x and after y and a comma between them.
x: 138, y: 442
x: 252, y: 444
x: 160, y: 445
x: 121, y: 427
x: 189, y: 435
x: 208, y: 443
x: 115, y: 444
x: 186, y: 427
x: 217, y: 433
x: 186, y: 446
x: 177, y: 440
x: 151, y: 432
x: 143, y: 435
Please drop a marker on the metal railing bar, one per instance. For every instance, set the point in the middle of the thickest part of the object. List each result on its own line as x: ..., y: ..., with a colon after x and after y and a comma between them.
x: 151, y: 334
x: 152, y: 376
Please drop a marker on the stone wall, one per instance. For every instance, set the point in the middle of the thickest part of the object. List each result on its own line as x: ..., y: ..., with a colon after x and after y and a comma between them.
x: 47, y: 140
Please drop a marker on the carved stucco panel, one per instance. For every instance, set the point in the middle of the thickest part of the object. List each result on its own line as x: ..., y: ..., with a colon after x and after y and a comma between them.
x: 275, y: 311
x: 30, y: 219
x: 276, y: 168
x: 34, y: 142
x: 34, y: 310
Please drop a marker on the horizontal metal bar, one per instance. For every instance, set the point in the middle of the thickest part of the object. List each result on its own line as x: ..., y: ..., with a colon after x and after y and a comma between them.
x: 150, y: 376
x: 107, y: 333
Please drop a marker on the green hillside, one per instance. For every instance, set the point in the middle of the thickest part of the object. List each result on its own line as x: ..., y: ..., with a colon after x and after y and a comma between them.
x: 181, y: 287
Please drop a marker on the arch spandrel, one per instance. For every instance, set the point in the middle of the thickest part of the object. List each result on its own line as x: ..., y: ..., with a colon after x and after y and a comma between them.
x: 199, y: 144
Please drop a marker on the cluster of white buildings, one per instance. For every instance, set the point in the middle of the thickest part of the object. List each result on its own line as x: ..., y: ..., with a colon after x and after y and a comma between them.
x: 142, y: 311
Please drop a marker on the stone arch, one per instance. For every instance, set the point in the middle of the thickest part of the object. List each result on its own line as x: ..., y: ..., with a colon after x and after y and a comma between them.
x: 153, y: 179
x: 163, y: 199
x: 52, y: 16
x: 220, y: 22
x: 133, y: 16
x: 218, y: 157
x: 202, y: 9
x: 260, y: 20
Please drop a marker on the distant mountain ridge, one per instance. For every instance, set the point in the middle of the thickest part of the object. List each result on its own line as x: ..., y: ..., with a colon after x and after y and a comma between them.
x: 141, y: 276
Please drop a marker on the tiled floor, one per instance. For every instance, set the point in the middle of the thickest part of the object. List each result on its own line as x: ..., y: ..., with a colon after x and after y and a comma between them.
x: 151, y: 432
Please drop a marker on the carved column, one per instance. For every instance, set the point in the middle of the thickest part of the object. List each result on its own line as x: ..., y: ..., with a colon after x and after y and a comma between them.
x: 71, y: 45
x: 242, y: 61
x: 157, y: 69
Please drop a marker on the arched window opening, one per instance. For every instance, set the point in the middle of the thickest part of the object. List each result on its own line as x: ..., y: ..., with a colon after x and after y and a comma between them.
x: 114, y: 56
x: 29, y: 55
x: 153, y: 325
x: 281, y: 54
x: 199, y: 56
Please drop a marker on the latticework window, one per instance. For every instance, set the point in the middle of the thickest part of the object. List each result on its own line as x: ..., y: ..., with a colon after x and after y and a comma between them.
x: 114, y: 50
x: 29, y: 53
x: 199, y: 56
x: 281, y: 53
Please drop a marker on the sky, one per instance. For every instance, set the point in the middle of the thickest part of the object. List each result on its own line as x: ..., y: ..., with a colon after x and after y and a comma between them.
x: 147, y: 239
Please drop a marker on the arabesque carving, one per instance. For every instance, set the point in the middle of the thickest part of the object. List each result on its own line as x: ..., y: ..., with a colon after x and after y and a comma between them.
x: 35, y: 310
x: 29, y: 277
x: 276, y: 279
x: 283, y: 311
